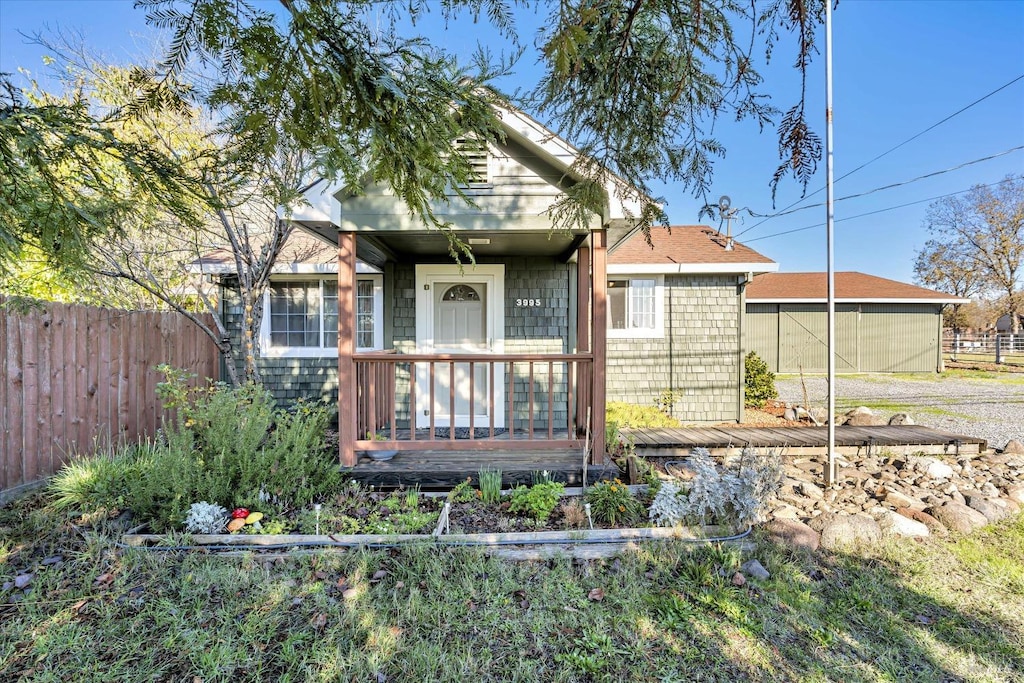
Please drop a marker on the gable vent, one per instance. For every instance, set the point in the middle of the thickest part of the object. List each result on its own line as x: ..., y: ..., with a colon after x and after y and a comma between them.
x: 476, y: 154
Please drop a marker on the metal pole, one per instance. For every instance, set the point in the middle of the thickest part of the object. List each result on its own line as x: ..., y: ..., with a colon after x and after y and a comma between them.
x: 830, y: 469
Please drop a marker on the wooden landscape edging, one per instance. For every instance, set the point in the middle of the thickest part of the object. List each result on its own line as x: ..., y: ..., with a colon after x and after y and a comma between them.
x: 581, y: 543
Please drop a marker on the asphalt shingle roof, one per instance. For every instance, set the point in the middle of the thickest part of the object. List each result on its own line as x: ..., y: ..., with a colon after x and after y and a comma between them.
x: 849, y: 285
x: 683, y: 244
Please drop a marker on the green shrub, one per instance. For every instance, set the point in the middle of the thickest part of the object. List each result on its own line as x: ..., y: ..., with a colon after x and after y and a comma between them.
x: 232, y: 447
x: 90, y: 485
x: 624, y: 415
x: 613, y: 503
x: 537, y: 501
x: 490, y: 485
x: 759, y: 381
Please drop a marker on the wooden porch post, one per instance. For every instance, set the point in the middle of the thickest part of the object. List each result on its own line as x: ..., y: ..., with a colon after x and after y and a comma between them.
x: 346, y: 348
x: 582, y: 324
x: 599, y: 282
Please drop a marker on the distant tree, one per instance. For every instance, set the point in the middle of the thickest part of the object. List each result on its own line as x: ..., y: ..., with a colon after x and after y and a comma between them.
x: 947, y: 268
x: 981, y: 235
x: 235, y: 203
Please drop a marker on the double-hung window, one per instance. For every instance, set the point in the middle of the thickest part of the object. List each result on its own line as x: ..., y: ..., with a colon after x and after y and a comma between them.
x: 301, y: 317
x: 635, y: 307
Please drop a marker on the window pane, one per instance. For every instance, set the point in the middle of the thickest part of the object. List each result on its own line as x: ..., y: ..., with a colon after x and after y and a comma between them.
x: 617, y: 304
x: 364, y: 314
x: 295, y: 314
x: 330, y: 308
x: 641, y: 302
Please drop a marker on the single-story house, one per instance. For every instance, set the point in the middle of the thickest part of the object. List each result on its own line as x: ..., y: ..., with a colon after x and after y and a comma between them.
x: 881, y: 325
x: 674, y: 324
x: 521, y: 349
x: 506, y: 353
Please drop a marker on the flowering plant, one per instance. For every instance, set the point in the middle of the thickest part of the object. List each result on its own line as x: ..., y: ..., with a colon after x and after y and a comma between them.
x: 612, y: 502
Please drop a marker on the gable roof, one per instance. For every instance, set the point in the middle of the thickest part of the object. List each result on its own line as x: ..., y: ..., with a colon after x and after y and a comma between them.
x: 327, y: 203
x: 686, y: 249
x: 850, y: 286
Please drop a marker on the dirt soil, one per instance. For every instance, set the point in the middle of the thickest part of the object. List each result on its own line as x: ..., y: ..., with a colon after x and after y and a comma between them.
x: 476, y: 517
x: 987, y: 367
x: 771, y: 415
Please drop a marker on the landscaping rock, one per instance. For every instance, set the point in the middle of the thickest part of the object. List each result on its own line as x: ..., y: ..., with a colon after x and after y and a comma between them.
x: 1016, y: 493
x: 1014, y: 446
x: 991, y: 509
x: 901, y: 419
x: 936, y: 469
x: 958, y: 517
x: 901, y: 500
x: 934, y: 526
x: 861, y: 416
x: 846, y: 531
x: 898, y: 525
x: 755, y: 570
x: 786, y: 512
x: 793, y: 533
x: 810, y: 490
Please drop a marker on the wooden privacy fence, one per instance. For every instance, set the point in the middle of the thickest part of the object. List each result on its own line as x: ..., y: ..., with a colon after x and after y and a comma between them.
x: 74, y: 377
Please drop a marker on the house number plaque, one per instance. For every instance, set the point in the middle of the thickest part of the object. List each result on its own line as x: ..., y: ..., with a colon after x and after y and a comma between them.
x: 529, y: 303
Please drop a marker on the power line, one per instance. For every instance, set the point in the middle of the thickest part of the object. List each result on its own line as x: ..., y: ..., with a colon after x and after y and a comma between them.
x: 899, y: 184
x: 868, y: 213
x: 892, y: 149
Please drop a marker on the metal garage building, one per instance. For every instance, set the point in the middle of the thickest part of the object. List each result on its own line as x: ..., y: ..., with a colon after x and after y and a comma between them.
x: 881, y: 325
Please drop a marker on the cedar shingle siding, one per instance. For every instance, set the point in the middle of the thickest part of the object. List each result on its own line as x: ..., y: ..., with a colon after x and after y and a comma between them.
x: 697, y: 359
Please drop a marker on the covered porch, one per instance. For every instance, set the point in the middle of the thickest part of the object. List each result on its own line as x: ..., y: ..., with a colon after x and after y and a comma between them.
x: 474, y: 395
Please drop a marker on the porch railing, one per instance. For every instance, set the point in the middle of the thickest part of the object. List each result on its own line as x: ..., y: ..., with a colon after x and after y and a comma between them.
x: 543, y: 400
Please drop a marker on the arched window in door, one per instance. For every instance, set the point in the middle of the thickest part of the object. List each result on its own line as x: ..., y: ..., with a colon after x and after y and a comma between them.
x: 461, y: 293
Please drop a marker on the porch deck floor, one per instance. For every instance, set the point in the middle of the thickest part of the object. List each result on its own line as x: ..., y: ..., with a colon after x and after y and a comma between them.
x: 722, y: 440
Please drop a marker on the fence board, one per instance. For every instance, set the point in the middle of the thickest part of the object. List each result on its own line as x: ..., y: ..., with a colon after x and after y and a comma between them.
x: 13, y: 445
x: 58, y: 419
x: 4, y: 391
x: 30, y: 395
x: 74, y: 376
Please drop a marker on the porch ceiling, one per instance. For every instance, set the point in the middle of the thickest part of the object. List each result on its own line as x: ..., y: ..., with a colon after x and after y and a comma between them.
x: 380, y: 247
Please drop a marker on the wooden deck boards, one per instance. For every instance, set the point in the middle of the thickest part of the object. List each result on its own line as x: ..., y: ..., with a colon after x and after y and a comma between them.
x: 802, y: 440
x: 441, y: 468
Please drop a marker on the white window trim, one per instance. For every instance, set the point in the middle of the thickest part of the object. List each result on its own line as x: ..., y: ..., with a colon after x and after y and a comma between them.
x: 658, y: 331
x: 268, y: 351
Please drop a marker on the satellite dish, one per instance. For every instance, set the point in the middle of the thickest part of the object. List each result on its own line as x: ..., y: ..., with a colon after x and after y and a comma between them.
x: 724, y: 202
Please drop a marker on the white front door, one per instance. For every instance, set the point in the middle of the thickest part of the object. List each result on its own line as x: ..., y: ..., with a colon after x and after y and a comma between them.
x: 459, y: 313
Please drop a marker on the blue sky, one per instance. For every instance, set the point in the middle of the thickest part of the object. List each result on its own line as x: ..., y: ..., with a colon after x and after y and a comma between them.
x: 900, y: 67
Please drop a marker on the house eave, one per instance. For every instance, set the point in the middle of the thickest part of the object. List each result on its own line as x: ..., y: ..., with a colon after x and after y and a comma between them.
x: 860, y: 300
x: 690, y: 268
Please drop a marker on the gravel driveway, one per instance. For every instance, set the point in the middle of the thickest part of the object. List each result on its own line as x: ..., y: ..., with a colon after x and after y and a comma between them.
x: 991, y: 409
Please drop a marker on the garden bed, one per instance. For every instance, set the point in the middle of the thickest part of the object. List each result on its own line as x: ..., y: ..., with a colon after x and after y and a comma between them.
x: 468, y: 523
